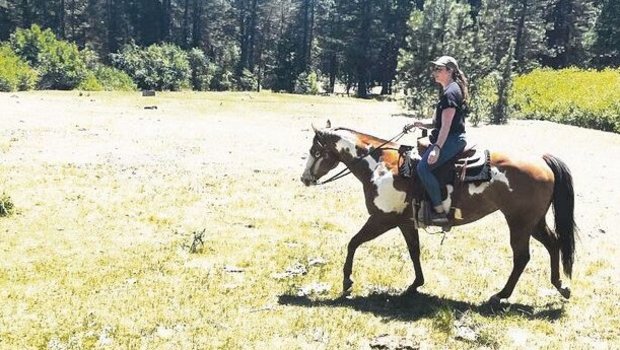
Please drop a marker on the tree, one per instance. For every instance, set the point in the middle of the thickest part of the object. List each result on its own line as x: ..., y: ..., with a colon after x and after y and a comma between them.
x: 607, y: 43
x: 569, y: 23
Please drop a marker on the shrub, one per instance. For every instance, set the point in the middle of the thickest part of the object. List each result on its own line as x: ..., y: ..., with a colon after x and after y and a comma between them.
x: 159, y: 67
x: 90, y: 83
x: 483, y: 99
x: 202, y: 70
x: 247, y: 81
x: 223, y: 80
x: 307, y: 83
x: 112, y: 79
x: 6, y: 205
x: 15, y: 73
x: 60, y: 64
x: 584, y: 98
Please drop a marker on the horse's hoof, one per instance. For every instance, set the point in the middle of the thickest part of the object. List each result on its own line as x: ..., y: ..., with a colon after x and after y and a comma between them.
x: 494, y: 302
x: 347, y: 286
x: 565, y: 292
x: 411, y: 290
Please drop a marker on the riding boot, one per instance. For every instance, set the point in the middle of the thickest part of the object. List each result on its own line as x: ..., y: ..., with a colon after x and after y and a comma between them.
x: 439, y: 219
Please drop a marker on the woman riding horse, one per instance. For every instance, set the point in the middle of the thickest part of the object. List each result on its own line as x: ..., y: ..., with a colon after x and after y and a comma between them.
x: 522, y: 189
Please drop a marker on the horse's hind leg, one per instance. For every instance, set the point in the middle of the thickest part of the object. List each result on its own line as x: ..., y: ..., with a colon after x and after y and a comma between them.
x: 520, y: 244
x: 544, y: 235
x: 413, y: 244
x: 373, y: 228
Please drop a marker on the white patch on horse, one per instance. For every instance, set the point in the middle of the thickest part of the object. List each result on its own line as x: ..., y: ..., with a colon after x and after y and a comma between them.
x: 309, y: 165
x: 388, y: 199
x: 496, y: 175
x: 448, y: 201
x: 346, y: 144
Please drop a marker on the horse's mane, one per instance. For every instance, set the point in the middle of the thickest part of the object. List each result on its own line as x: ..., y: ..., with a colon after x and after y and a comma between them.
x: 372, y: 140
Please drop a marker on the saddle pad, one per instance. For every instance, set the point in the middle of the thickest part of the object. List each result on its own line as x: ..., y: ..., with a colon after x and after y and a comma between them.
x: 478, y: 172
x: 473, y: 173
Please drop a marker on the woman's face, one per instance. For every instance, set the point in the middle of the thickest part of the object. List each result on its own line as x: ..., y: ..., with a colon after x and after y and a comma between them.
x: 441, y: 74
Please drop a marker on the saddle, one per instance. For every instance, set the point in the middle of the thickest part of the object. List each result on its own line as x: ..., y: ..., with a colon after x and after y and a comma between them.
x: 469, y: 165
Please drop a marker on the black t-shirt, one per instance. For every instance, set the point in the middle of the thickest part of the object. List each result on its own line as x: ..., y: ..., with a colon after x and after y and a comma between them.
x: 451, y: 97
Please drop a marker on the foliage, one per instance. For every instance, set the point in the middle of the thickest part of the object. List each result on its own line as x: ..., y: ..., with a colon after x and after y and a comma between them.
x: 607, y: 43
x: 307, y: 84
x: 104, y: 78
x: 483, y: 99
x: 247, y: 81
x: 584, y: 98
x: 60, y: 64
x: 353, y: 43
x: 90, y: 83
x: 159, y: 66
x: 15, y: 73
x: 6, y: 205
x: 203, y: 71
x: 427, y: 41
x: 501, y: 109
x: 112, y: 79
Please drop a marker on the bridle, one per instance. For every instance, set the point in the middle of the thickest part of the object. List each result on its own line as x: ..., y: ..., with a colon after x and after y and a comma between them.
x: 346, y: 171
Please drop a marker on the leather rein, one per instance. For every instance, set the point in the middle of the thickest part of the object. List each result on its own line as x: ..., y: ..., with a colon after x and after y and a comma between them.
x: 346, y: 171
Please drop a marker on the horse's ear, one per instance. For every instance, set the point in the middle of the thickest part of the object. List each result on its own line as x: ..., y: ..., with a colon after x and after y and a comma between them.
x: 329, y: 124
x: 314, y: 128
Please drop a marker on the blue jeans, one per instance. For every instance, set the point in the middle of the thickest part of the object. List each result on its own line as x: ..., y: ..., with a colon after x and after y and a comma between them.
x: 454, y: 144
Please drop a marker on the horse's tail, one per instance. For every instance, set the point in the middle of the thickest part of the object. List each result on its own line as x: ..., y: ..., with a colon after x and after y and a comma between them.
x: 563, y: 209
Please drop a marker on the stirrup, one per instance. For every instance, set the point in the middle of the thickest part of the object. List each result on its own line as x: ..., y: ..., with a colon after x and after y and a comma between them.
x: 439, y: 219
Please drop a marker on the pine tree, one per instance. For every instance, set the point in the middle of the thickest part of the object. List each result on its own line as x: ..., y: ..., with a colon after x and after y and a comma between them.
x: 607, y: 44
x: 569, y: 22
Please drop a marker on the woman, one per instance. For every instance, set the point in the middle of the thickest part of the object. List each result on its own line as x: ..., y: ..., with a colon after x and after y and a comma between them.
x: 448, y: 134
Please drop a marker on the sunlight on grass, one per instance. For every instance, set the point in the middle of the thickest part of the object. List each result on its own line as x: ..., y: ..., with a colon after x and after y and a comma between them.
x: 97, y: 253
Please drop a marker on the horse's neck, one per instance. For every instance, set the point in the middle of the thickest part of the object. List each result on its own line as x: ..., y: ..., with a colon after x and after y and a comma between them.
x: 354, y: 150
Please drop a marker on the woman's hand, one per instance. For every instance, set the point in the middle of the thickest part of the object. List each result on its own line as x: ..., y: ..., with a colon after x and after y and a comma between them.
x: 416, y: 124
x: 434, y: 155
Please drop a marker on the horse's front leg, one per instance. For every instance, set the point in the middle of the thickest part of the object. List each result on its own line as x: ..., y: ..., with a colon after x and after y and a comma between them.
x: 413, y: 244
x: 373, y: 228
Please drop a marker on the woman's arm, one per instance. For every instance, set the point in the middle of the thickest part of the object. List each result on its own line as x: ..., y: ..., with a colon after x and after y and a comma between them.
x: 446, y: 121
x: 425, y: 123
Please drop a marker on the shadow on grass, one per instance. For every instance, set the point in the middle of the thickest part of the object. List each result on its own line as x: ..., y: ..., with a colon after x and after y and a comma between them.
x: 412, y: 307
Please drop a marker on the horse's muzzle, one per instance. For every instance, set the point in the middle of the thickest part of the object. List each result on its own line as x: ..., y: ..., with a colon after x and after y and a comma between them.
x: 308, y: 181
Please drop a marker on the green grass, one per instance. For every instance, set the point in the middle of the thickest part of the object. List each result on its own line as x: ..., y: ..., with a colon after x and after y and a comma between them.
x: 98, y: 253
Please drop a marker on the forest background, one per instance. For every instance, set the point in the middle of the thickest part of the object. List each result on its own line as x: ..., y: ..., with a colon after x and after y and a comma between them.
x: 363, y: 47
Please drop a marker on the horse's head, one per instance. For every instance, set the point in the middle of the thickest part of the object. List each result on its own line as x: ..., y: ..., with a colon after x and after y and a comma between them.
x: 323, y: 156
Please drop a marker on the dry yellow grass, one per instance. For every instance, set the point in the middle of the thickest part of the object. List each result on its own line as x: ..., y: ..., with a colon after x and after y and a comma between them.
x: 109, y: 198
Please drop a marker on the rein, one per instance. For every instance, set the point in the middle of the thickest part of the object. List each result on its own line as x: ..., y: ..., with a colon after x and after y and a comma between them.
x: 346, y: 171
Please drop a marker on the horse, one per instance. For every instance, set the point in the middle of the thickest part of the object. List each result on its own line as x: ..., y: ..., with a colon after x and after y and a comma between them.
x: 522, y: 189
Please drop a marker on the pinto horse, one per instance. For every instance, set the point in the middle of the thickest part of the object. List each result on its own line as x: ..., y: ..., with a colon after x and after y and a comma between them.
x: 522, y: 189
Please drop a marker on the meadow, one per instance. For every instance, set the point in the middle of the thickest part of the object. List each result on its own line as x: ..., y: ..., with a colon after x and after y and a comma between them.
x: 185, y: 226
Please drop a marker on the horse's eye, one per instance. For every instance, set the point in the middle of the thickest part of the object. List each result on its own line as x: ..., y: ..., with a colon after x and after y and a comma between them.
x: 317, y: 154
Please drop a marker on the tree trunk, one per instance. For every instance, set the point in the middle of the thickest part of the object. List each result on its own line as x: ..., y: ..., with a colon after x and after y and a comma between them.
x: 185, y: 26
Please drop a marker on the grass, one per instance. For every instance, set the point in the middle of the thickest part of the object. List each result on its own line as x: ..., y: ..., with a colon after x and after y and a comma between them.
x: 99, y: 254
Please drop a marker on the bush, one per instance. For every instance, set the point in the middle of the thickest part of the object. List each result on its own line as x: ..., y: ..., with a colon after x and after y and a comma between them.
x: 202, y: 70
x: 247, y: 81
x: 223, y: 80
x: 90, y: 83
x: 6, y: 205
x: 60, y: 64
x: 159, y: 67
x: 15, y: 73
x: 585, y: 98
x: 307, y: 83
x: 112, y: 79
x: 483, y: 99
